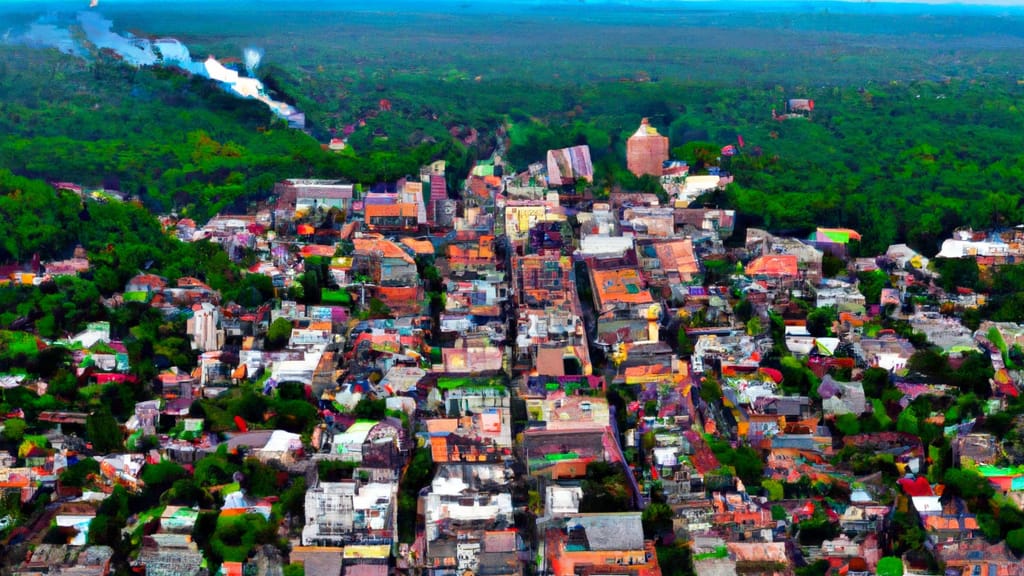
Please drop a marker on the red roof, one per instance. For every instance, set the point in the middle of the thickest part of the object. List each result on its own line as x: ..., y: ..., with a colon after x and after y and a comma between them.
x: 916, y: 487
x: 317, y: 250
x: 773, y: 265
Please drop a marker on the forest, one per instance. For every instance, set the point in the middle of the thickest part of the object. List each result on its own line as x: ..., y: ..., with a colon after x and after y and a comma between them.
x: 913, y: 134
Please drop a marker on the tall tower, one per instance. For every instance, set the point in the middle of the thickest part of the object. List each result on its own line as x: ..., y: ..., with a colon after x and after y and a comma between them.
x: 646, y: 150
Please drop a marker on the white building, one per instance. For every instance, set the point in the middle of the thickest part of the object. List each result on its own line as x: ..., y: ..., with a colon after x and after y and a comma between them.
x: 344, y: 513
x: 203, y: 328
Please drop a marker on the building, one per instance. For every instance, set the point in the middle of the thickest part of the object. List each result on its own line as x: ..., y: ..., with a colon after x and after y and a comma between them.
x: 306, y: 195
x: 626, y: 311
x: 204, y: 328
x: 646, y: 151
x: 600, y: 544
x: 469, y: 521
x: 478, y: 427
x: 550, y: 330
x: 384, y: 262
x: 567, y: 165
x: 344, y: 513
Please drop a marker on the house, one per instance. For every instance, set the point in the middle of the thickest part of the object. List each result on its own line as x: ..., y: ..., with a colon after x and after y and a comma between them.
x: 351, y: 512
x: 372, y: 444
x: 466, y: 357
x: 777, y: 268
x: 978, y: 557
x: 384, y: 262
x: 845, y: 297
x: 348, y: 445
x: 839, y: 398
x: 365, y: 560
x: 522, y: 215
x: 888, y: 351
x: 303, y: 196
x: 143, y: 287
x: 753, y: 556
x: 668, y: 263
x: 565, y: 453
x: 70, y: 267
x: 551, y: 336
x: 722, y: 222
x: 626, y: 311
x: 176, y: 384
x: 468, y: 520
x: 906, y: 257
x: 72, y: 561
x: 808, y: 258
x: 692, y: 186
x: 975, y: 449
x: 718, y: 348
x: 145, y: 283
x: 562, y: 500
x: 399, y: 216
x: 833, y: 240
x: 483, y: 436
x: 562, y: 412
x: 594, y: 543
x: 862, y: 517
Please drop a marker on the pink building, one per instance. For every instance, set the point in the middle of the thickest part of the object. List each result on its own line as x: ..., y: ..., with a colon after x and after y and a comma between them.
x: 646, y: 150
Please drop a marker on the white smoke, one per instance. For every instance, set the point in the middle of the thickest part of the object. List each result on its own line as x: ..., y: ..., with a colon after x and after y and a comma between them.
x: 252, y: 57
x: 98, y: 32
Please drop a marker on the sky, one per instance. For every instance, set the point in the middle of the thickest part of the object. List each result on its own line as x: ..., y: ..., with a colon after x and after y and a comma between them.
x: 856, y: 6
x: 729, y: 3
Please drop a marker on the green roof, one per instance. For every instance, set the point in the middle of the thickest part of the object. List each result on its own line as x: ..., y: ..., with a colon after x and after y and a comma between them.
x: 141, y: 296
x: 451, y: 382
x: 994, y: 471
x: 335, y: 297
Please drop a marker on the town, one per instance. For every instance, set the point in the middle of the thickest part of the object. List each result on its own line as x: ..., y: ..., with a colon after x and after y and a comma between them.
x: 520, y: 373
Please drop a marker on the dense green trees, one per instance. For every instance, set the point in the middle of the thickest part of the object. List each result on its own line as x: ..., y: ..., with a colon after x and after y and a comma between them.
x: 279, y: 333
x: 14, y: 430
x: 104, y: 432
x: 657, y: 520
x: 745, y: 461
x: 605, y: 489
x: 418, y: 474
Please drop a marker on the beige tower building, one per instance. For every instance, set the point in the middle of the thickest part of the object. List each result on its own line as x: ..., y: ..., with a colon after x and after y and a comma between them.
x: 646, y: 150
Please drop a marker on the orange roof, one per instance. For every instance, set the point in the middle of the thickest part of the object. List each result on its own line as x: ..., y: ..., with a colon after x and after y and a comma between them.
x: 647, y: 370
x: 398, y: 293
x: 621, y: 286
x: 402, y: 209
x: 678, y: 255
x: 387, y: 248
x: 440, y: 425
x: 419, y: 246
x: 776, y: 265
x: 190, y: 282
x: 937, y: 522
x: 348, y: 229
x: 320, y: 325
x: 851, y: 319
x: 483, y: 250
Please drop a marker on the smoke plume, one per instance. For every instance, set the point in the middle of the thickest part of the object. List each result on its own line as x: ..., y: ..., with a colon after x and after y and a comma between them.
x: 99, y: 35
x: 252, y: 57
